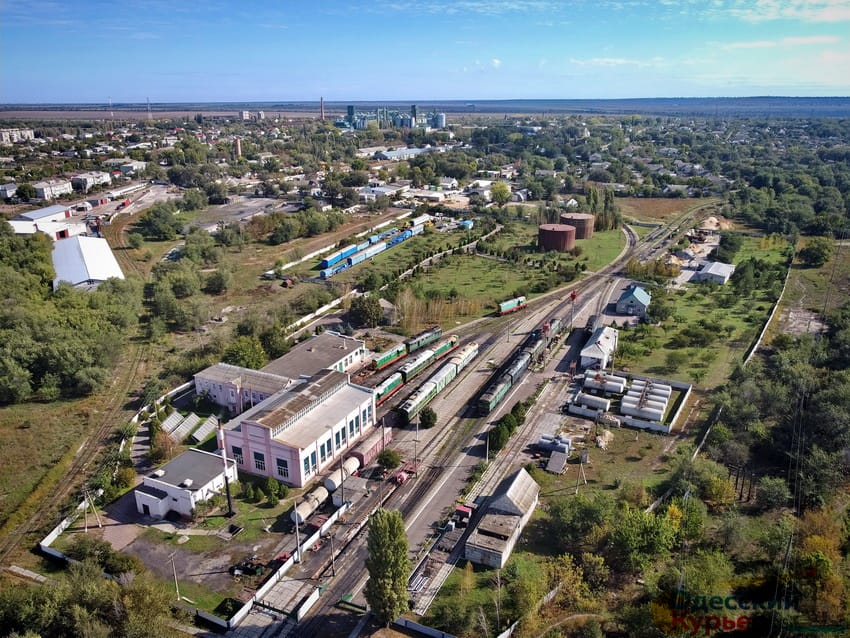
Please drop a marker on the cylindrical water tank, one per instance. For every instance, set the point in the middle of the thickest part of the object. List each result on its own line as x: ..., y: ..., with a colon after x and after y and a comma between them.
x: 582, y: 222
x: 557, y: 237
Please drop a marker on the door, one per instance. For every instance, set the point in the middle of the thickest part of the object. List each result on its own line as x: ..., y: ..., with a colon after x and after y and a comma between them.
x: 146, y: 510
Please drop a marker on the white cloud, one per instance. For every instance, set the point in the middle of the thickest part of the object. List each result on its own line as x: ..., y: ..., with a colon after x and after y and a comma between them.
x: 609, y: 62
x: 495, y: 63
x: 791, y: 41
x: 801, y: 10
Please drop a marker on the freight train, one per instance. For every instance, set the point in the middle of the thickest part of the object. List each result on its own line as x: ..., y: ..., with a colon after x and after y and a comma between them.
x: 407, y: 347
x: 425, y: 358
x: 355, y: 254
x: 516, y: 366
x: 437, y: 382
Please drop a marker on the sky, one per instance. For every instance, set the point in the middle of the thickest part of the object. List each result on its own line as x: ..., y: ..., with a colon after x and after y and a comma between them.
x: 93, y: 51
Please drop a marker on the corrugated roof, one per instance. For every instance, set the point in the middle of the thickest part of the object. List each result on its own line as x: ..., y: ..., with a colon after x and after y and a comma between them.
x: 516, y: 496
x: 79, y: 260
x: 41, y: 213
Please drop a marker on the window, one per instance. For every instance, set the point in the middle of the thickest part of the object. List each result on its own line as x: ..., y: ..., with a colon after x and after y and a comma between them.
x: 351, y: 428
x: 282, y: 468
x: 306, y: 467
x: 338, y: 440
x: 365, y: 420
x: 237, y: 454
x: 357, y: 421
x: 369, y: 412
x: 322, y: 454
x: 313, y: 460
x: 260, y: 461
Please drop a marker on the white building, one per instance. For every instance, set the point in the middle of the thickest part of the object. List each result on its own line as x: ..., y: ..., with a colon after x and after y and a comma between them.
x: 52, y: 188
x: 15, y: 135
x: 182, y: 483
x: 55, y: 213
x: 85, y: 181
x: 298, y: 432
x: 8, y: 190
x: 715, y: 272
x: 599, y: 349
x: 494, y: 538
x: 54, y: 230
x: 132, y: 167
x: 237, y: 389
x: 84, y: 262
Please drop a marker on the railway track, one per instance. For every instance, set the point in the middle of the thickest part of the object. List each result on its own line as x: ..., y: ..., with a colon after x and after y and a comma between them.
x: 95, y: 443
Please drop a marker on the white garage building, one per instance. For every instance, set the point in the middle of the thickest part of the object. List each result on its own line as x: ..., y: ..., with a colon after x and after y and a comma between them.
x: 182, y: 483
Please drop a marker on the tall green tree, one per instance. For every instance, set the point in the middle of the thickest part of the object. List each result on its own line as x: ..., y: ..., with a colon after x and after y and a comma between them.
x: 387, y: 565
x: 366, y: 311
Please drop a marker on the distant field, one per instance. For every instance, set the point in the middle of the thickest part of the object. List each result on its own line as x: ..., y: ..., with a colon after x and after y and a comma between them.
x: 657, y: 209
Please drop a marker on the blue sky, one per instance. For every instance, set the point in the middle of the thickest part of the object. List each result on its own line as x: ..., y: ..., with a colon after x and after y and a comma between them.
x: 344, y: 50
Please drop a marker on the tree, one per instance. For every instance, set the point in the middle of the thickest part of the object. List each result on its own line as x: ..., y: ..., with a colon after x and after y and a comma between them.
x: 387, y: 565
x: 427, y: 418
x: 217, y: 282
x: 773, y: 493
x: 388, y: 459
x: 366, y: 311
x: 26, y: 192
x: 246, y: 352
x: 817, y: 252
x: 500, y: 193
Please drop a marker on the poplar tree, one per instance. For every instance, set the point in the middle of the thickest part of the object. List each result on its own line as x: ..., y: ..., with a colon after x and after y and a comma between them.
x: 387, y: 565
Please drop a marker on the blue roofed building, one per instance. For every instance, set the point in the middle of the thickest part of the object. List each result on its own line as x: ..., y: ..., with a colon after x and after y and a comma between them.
x: 634, y: 301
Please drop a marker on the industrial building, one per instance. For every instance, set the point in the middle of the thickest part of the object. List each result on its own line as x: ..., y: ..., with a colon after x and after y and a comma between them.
x: 599, y: 349
x: 582, y: 222
x: 7, y: 191
x: 15, y: 135
x: 328, y: 350
x: 634, y: 302
x: 84, y: 262
x: 182, y: 483
x: 558, y: 237
x: 298, y: 432
x: 55, y: 213
x: 715, y: 272
x: 493, y: 539
x: 237, y: 389
x: 54, y: 230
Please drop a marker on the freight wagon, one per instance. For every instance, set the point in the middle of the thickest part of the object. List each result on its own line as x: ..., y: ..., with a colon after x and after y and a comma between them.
x: 339, y: 255
x: 368, y: 450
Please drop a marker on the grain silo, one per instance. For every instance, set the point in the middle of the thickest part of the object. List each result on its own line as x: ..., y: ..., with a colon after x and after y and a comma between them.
x: 557, y: 237
x: 582, y: 222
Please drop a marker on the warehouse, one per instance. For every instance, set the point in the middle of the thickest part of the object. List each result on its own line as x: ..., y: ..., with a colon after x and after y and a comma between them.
x: 715, y: 272
x: 599, y: 349
x: 84, y: 262
x: 495, y: 536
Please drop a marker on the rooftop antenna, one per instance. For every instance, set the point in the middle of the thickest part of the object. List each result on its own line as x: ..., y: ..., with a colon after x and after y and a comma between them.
x: 149, y: 109
x: 111, y: 112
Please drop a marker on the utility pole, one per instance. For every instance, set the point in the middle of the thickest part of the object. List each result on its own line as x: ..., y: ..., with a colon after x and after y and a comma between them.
x: 174, y: 571
x: 297, y: 534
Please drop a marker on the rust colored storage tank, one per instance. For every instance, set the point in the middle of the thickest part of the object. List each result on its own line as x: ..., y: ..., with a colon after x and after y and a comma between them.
x: 582, y: 222
x: 558, y: 237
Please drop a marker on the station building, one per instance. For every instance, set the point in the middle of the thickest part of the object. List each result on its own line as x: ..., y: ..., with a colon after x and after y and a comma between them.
x: 328, y: 350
